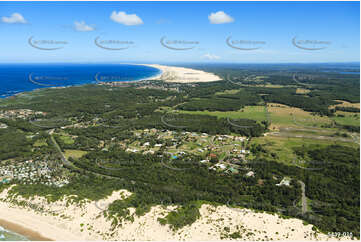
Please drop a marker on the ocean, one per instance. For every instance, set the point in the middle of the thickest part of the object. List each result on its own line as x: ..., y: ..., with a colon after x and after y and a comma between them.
x: 16, y: 78
x: 6, y: 235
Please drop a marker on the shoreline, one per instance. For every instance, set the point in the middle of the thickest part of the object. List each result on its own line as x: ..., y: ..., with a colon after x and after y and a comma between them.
x: 34, y: 226
x: 175, y: 74
x: 23, y: 231
x: 41, y: 227
x: 170, y: 74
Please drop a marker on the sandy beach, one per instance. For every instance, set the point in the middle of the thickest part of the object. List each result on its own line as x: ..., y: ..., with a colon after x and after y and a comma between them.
x: 28, y: 233
x: 87, y: 222
x: 182, y: 74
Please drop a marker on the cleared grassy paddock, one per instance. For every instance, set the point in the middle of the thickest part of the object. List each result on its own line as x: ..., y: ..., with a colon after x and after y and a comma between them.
x: 348, y: 119
x: 302, y: 91
x: 67, y: 139
x: 283, y: 116
x: 233, y: 91
x: 40, y: 142
x: 283, y: 146
x: 345, y: 104
x: 74, y: 153
x: 249, y: 112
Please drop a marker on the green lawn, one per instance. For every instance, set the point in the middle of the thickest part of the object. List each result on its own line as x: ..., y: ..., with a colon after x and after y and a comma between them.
x: 74, y: 153
x: 349, y: 119
x: 250, y: 112
x: 283, y: 146
x: 233, y: 91
x: 40, y: 142
x: 67, y: 139
x: 282, y: 115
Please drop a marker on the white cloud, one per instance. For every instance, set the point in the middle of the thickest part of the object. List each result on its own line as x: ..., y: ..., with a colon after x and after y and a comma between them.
x: 220, y: 17
x: 126, y: 19
x: 211, y: 56
x: 83, y: 27
x: 15, y: 18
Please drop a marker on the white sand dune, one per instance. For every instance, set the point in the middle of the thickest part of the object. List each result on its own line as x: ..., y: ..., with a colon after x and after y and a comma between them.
x: 182, y: 75
x: 87, y: 222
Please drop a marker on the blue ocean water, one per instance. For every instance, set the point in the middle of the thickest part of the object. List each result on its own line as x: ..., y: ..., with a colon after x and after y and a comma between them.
x: 6, y: 235
x: 16, y: 78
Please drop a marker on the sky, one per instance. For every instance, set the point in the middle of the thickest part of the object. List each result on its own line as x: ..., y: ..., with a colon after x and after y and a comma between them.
x: 162, y: 32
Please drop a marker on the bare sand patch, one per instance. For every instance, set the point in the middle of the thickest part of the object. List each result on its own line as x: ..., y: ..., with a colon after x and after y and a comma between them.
x: 345, y: 104
x: 87, y: 222
x: 182, y: 74
x: 302, y: 91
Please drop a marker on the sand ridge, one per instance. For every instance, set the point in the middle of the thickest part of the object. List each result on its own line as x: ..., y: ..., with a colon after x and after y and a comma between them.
x: 87, y: 222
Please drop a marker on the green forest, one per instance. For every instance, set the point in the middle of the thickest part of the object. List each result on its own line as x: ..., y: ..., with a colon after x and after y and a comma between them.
x: 110, y: 114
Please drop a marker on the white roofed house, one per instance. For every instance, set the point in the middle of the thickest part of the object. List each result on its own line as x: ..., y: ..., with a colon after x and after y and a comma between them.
x: 286, y: 181
x: 250, y: 174
x: 245, y: 151
x: 221, y: 166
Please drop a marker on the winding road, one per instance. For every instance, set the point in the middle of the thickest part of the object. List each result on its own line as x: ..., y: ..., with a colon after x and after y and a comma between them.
x: 304, y: 198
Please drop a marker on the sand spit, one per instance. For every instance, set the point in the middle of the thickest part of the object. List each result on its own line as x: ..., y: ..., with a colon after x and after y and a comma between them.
x: 182, y: 74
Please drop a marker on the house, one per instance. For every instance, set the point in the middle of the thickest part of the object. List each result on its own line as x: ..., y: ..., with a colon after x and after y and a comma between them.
x: 131, y: 150
x: 221, y: 166
x: 245, y: 151
x: 250, y: 173
x: 4, y: 179
x: 285, y: 182
x: 212, y: 155
x: 232, y: 170
x: 148, y: 152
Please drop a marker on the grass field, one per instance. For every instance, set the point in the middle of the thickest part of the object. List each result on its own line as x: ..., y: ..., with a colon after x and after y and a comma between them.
x: 280, y: 115
x: 74, y: 153
x: 345, y: 104
x: 348, y: 119
x: 67, y: 139
x: 268, y: 85
x: 302, y: 91
x: 40, y: 142
x: 283, y: 146
x: 283, y: 115
x: 250, y: 112
x: 233, y: 91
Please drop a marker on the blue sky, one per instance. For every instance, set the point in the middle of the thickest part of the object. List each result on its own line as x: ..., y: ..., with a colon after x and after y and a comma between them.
x: 261, y: 32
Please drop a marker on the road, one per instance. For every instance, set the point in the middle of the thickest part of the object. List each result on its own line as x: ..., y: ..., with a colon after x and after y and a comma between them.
x: 62, y: 156
x: 318, y: 137
x: 303, y: 199
x: 69, y: 164
x: 299, y: 83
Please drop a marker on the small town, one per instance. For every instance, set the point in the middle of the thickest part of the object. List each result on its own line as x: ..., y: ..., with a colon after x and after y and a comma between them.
x: 30, y: 172
x: 221, y: 152
x: 19, y: 113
